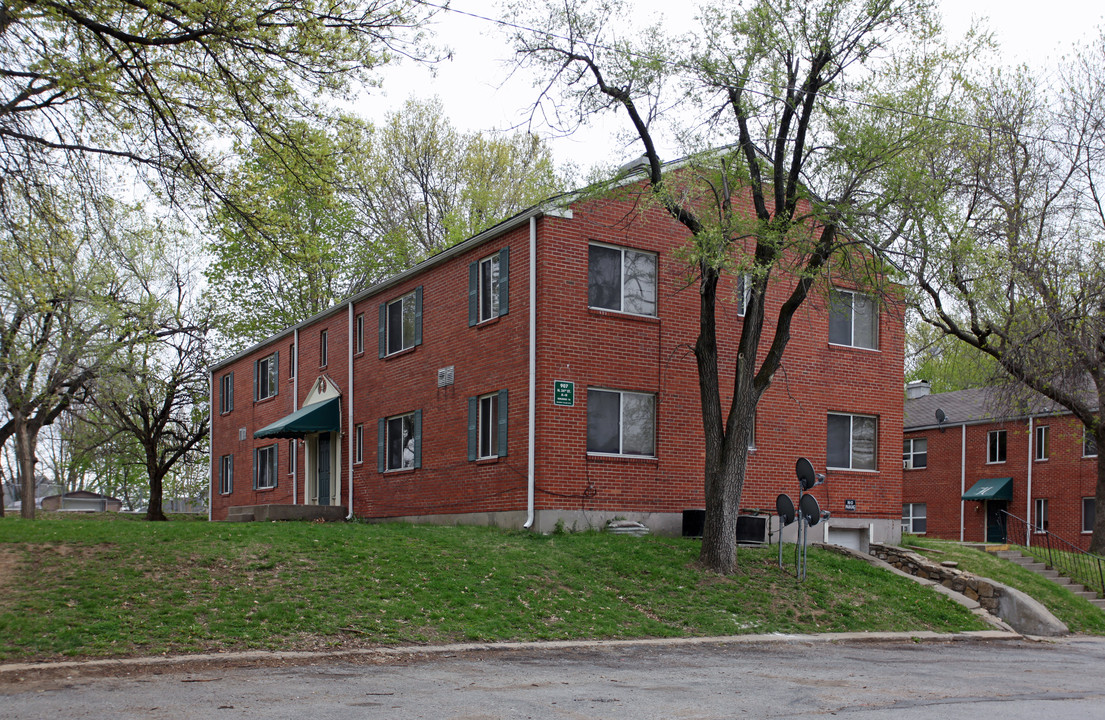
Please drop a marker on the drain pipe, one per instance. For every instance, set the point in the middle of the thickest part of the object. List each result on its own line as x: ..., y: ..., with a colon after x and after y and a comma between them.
x: 1028, y: 495
x: 531, y: 479
x: 295, y: 406
x: 349, y: 402
x: 962, y: 477
x: 211, y: 439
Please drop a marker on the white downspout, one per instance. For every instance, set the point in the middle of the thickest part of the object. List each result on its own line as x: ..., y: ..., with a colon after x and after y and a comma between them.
x: 962, y: 477
x: 531, y: 480
x: 211, y: 441
x: 295, y: 406
x: 349, y: 402
x: 1028, y: 493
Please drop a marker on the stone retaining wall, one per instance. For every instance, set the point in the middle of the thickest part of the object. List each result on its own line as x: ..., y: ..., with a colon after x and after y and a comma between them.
x: 981, y: 590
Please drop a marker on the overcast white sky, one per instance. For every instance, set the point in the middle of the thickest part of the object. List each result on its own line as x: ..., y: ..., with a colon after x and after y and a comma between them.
x: 472, y: 88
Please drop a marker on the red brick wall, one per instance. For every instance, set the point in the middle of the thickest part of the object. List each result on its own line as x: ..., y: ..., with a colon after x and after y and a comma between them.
x: 1064, y: 478
x: 592, y: 349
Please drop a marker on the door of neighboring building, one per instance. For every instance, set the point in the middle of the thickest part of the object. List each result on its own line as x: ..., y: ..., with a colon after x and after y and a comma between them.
x: 322, y: 469
x: 995, y: 520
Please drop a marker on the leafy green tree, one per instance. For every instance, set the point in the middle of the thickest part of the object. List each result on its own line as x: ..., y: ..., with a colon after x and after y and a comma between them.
x: 945, y: 362
x: 355, y: 204
x: 776, y: 82
x: 65, y: 309
x: 157, y: 84
x: 1006, y: 245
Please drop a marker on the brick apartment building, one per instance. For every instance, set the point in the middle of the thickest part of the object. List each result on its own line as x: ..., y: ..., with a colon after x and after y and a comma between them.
x: 542, y: 371
x: 961, y: 473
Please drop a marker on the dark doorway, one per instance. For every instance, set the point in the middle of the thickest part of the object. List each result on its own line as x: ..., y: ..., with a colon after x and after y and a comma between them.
x: 995, y: 520
x: 324, y: 469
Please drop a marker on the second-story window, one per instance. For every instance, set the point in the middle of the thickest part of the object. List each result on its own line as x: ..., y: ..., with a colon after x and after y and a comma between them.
x: 266, y: 376
x: 621, y: 279
x: 995, y: 446
x: 322, y: 349
x: 401, y: 323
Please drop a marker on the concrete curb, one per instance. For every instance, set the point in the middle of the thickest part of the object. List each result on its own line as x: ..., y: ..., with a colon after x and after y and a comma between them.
x: 408, y: 651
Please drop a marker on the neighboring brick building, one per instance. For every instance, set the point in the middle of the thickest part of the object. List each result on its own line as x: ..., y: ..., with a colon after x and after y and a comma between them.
x: 414, y: 395
x: 1038, y: 465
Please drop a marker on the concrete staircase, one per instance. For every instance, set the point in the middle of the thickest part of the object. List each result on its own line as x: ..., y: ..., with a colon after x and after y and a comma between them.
x: 1030, y: 563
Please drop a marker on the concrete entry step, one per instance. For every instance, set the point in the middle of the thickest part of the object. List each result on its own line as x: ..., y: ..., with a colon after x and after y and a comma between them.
x: 267, y: 513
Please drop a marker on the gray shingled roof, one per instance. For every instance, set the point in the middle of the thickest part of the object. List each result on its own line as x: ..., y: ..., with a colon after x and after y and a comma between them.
x: 974, y: 406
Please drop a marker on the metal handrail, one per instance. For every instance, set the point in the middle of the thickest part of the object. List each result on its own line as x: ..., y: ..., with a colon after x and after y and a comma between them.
x: 1059, y: 554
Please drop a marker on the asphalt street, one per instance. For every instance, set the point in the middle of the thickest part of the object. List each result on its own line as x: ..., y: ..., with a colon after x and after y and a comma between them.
x: 968, y: 679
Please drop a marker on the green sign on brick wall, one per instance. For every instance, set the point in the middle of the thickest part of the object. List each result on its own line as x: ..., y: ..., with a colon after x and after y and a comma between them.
x: 564, y: 393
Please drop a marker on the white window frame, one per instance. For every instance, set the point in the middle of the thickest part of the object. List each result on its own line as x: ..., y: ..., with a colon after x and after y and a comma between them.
x: 833, y: 308
x: 404, y: 462
x: 405, y: 343
x: 1001, y: 437
x: 1041, y: 447
x: 851, y: 442
x: 359, y: 334
x: 1039, y: 515
x: 744, y: 293
x: 487, y: 428
x: 358, y: 444
x: 267, y: 380
x: 323, y: 349
x: 621, y: 280
x: 622, y: 396
x: 1088, y: 502
x: 1088, y: 442
x: 226, y: 393
x: 489, y: 287
x: 910, y: 516
x: 910, y: 453
x: 226, y: 474
x: 262, y: 456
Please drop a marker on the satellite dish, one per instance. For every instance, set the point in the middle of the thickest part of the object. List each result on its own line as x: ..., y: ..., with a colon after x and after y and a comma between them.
x: 785, y: 507
x: 807, y: 478
x: 809, y: 508
x: 940, y: 416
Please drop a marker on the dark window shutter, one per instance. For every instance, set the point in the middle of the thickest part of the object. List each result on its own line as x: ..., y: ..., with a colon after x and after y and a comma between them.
x: 381, y: 444
x: 418, y: 438
x: 276, y: 373
x: 230, y: 404
x: 473, y: 293
x: 504, y: 280
x: 383, y: 329
x: 256, y: 470
x: 473, y: 435
x: 275, y: 465
x: 502, y: 423
x: 256, y: 379
x: 418, y: 315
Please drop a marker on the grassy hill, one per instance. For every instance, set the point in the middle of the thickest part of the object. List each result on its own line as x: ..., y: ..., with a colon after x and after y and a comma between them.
x: 110, y: 586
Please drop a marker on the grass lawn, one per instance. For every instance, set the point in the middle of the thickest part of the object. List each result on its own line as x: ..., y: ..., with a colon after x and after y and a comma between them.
x: 93, y: 586
x: 1079, y: 614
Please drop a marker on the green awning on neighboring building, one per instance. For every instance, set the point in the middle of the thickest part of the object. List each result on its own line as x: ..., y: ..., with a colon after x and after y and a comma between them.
x: 992, y: 489
x: 320, y: 417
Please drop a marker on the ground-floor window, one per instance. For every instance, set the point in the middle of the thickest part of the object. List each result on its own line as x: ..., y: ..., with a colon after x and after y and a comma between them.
x: 487, y: 426
x: 400, y: 445
x: 621, y: 423
x: 264, y: 467
x: 226, y: 474
x: 1087, y: 514
x: 851, y: 442
x: 1039, y: 515
x: 914, y: 518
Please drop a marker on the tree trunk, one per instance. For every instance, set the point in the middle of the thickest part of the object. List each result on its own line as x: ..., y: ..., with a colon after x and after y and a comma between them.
x: 26, y: 441
x: 154, y: 512
x: 1097, y: 540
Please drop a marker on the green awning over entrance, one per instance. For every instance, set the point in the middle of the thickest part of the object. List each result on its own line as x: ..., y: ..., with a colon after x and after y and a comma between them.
x: 992, y: 489
x: 320, y: 417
